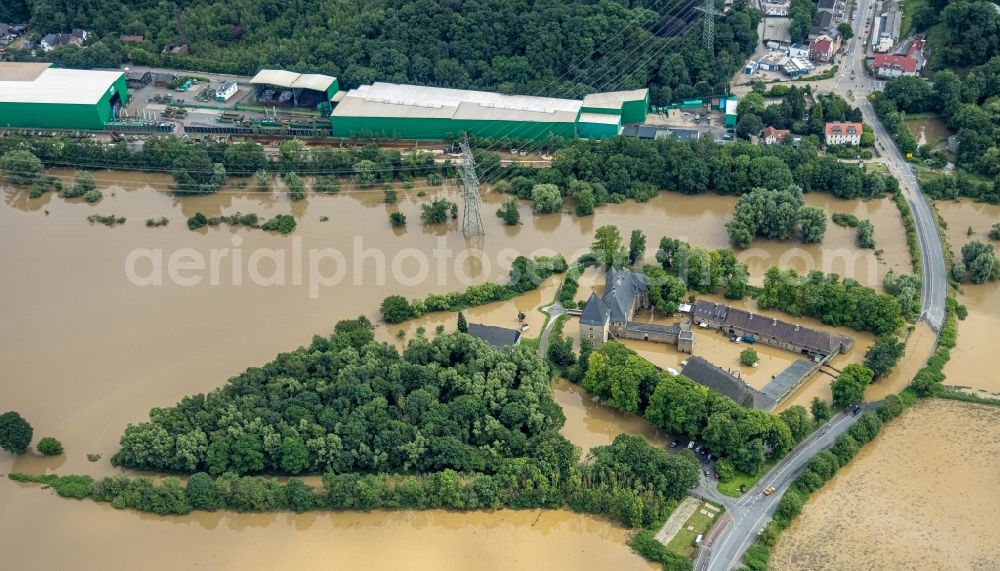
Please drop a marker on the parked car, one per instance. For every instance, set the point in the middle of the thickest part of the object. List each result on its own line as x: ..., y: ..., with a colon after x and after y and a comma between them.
x: 673, y: 444
x: 706, y: 473
x: 691, y: 444
x: 698, y: 449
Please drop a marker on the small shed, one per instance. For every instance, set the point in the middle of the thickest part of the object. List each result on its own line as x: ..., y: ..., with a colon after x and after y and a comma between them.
x: 225, y: 91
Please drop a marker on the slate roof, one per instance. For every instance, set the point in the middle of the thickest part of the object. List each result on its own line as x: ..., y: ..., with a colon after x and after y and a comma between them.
x: 814, y: 340
x: 620, y: 289
x: 706, y: 374
x: 496, y: 336
x: 595, y: 312
x: 673, y: 329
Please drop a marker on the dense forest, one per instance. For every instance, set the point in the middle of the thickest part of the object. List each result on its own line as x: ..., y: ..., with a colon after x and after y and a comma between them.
x: 563, y: 48
x: 451, y: 422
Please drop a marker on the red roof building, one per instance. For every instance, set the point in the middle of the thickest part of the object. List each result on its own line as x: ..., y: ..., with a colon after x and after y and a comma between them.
x: 889, y: 65
x: 838, y: 133
x: 823, y: 47
x: 770, y: 135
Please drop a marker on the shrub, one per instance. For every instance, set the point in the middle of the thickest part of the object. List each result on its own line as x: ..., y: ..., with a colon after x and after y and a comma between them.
x: 508, y: 212
x: 50, y: 446
x: 748, y: 357
x: 397, y: 219
x: 848, y: 220
x: 93, y: 196
x: 21, y: 166
x: 326, y: 185
x: 296, y: 186
x: 283, y: 223
x: 437, y: 211
x: 866, y: 234
x: 547, y: 198
x: 197, y: 221
x: 390, y: 196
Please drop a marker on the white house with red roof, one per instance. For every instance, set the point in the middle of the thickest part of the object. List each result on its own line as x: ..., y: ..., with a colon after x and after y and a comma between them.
x: 770, y: 135
x: 898, y: 65
x: 843, y: 133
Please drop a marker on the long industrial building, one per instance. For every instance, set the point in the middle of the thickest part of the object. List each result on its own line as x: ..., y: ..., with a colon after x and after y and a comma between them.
x: 389, y: 110
x: 35, y: 95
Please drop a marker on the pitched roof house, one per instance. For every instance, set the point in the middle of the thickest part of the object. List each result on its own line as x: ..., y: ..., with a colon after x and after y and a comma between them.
x: 721, y: 381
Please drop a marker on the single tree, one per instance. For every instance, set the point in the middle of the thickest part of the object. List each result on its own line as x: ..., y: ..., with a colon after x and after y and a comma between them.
x: 820, y: 410
x: 462, y: 325
x: 883, y: 355
x: 748, y: 357
x: 607, y: 246
x: 636, y: 247
x: 15, y: 433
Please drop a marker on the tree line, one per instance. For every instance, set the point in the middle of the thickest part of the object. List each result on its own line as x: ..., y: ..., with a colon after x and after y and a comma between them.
x: 613, y: 170
x: 831, y: 300
x: 525, y: 273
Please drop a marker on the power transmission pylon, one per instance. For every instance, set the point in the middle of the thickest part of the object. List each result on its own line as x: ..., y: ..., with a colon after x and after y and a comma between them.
x: 708, y: 32
x: 472, y: 220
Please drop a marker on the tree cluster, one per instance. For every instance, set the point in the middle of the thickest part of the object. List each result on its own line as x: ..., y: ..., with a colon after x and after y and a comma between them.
x: 627, y: 382
x: 774, y: 214
x: 831, y: 300
x: 703, y: 270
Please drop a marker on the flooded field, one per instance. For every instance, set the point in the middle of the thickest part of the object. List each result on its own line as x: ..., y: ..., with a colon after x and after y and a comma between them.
x: 976, y: 345
x: 913, y: 499
x: 90, y: 347
x: 589, y: 423
x: 929, y: 131
x: 423, y: 541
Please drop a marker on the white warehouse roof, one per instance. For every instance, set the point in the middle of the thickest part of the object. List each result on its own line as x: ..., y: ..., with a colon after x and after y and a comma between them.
x: 602, y: 118
x: 395, y: 100
x: 613, y: 99
x: 293, y: 80
x: 22, y: 84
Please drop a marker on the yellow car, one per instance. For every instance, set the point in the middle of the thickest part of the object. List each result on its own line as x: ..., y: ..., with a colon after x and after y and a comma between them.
x: 769, y: 491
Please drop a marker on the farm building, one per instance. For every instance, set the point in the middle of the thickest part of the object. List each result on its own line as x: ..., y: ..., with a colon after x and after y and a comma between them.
x: 287, y: 88
x: 416, y: 112
x: 35, y: 95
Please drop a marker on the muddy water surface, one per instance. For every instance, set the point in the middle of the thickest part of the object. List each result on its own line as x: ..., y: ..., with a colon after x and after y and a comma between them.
x: 87, y: 350
x: 915, y: 498
x: 976, y: 334
x: 590, y: 424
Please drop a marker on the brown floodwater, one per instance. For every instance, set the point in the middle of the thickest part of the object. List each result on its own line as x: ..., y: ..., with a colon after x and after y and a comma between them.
x: 590, y: 423
x: 927, y: 131
x: 923, y: 495
x: 89, y: 350
x: 976, y: 334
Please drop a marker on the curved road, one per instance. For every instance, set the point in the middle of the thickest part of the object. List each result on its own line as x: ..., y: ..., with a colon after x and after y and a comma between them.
x: 736, y: 532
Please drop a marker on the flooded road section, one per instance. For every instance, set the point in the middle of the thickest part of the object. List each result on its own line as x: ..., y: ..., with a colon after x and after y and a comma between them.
x: 922, y: 496
x: 976, y: 334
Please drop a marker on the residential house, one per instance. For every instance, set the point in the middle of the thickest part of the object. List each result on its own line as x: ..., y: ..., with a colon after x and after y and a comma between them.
x: 823, y: 48
x: 822, y: 23
x: 770, y: 135
x: 826, y: 6
x: 897, y: 65
x: 843, y: 133
x: 51, y: 41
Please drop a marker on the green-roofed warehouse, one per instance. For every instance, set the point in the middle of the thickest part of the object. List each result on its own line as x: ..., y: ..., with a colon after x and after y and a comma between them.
x: 34, y: 95
x: 389, y: 110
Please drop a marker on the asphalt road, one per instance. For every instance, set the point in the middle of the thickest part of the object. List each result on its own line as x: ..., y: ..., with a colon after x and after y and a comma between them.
x: 746, y: 517
x: 752, y: 512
